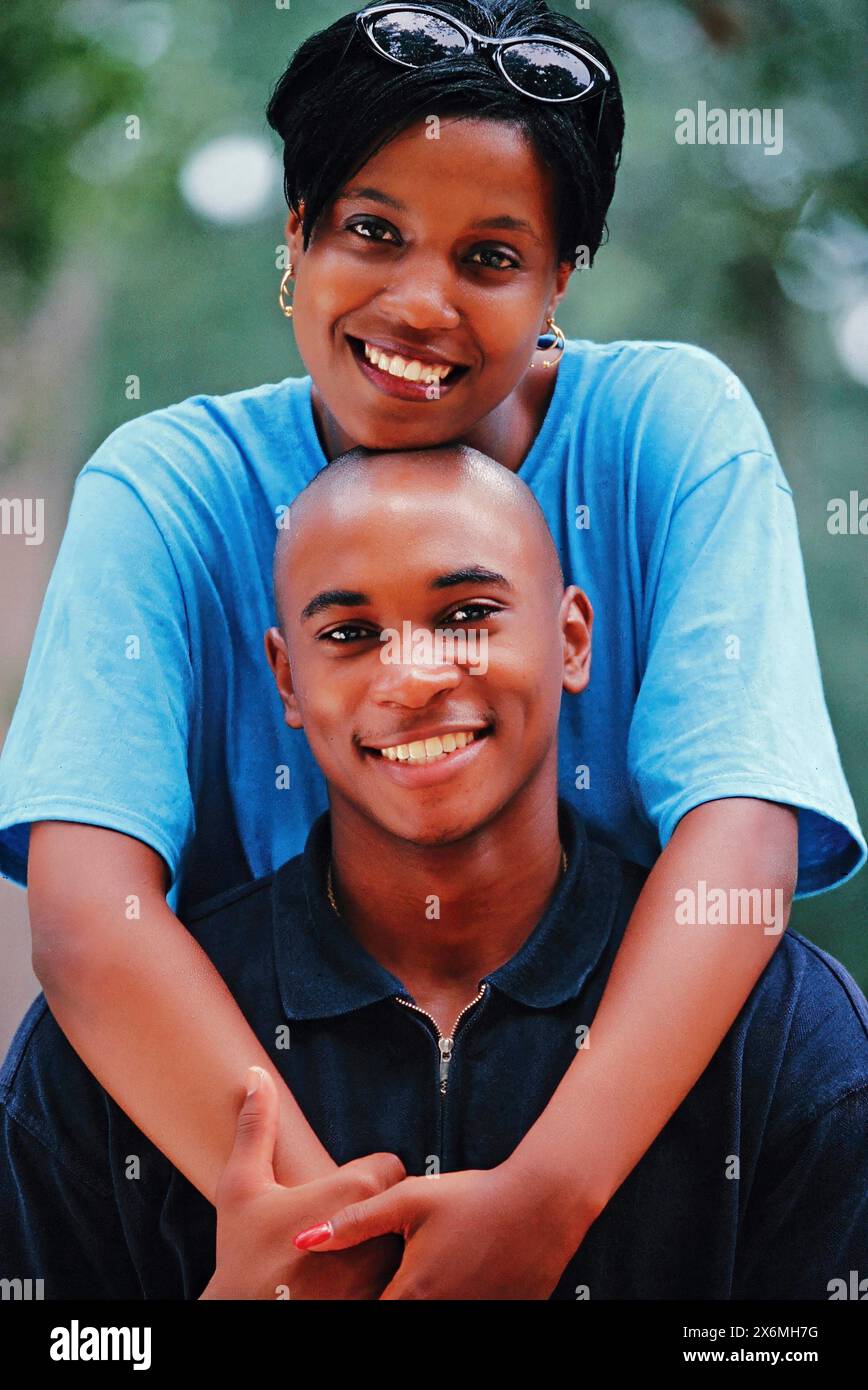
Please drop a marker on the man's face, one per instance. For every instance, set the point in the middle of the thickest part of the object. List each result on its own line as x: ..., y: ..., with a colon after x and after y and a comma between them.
x: 412, y: 551
x: 403, y: 258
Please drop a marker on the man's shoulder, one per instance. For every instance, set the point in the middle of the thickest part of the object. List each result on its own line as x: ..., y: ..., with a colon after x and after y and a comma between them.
x: 46, y: 1090
x: 807, y: 1011
x: 623, y: 879
x: 222, y: 924
x: 251, y: 897
x: 822, y: 990
x: 614, y: 883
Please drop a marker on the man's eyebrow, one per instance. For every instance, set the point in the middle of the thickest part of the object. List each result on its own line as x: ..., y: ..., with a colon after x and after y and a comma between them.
x: 333, y: 598
x: 472, y: 574
x: 504, y: 221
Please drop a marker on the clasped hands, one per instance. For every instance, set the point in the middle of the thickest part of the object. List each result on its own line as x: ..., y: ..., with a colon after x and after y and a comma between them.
x: 497, y: 1233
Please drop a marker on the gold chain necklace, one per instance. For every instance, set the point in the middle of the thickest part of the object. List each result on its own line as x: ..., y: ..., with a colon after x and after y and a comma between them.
x: 331, y: 892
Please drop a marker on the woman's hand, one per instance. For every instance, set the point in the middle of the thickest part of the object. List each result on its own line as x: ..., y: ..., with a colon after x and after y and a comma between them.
x: 256, y: 1217
x: 479, y: 1234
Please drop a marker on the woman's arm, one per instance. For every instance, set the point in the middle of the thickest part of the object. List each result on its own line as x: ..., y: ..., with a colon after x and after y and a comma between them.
x: 671, y: 997
x: 144, y: 1007
x: 673, y: 993
x: 669, y: 1001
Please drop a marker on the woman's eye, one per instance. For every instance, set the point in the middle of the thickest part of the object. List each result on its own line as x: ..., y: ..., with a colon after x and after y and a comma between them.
x: 472, y: 613
x: 345, y: 634
x: 511, y: 263
x: 368, y: 228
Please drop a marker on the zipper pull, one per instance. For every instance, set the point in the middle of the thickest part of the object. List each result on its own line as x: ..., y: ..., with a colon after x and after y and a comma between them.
x: 445, y: 1045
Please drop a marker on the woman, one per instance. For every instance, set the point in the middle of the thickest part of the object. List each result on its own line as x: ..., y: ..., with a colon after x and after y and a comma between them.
x: 439, y: 197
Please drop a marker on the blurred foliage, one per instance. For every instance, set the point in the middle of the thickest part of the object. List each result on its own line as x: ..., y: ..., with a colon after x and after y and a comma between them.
x: 754, y: 257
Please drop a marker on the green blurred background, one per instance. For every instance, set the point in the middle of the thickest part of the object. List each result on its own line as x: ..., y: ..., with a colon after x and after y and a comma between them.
x: 155, y: 258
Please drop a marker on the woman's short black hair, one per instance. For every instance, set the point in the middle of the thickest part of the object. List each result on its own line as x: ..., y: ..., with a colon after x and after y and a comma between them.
x: 338, y: 103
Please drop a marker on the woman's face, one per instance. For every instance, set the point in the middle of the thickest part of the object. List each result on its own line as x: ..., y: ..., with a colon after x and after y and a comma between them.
x: 439, y: 250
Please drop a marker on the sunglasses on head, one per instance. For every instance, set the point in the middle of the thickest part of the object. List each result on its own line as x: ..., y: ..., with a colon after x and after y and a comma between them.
x: 537, y: 65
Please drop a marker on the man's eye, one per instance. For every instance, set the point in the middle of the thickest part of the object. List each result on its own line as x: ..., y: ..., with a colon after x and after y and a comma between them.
x: 472, y: 613
x: 346, y: 633
x: 511, y: 263
x: 369, y: 227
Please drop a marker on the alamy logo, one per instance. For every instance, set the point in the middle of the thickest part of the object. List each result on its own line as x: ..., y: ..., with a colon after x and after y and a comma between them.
x: 717, y: 907
x: 855, y: 1288
x: 77, y: 1343
x: 23, y: 1290
x: 738, y: 126
x: 23, y: 516
x: 445, y: 646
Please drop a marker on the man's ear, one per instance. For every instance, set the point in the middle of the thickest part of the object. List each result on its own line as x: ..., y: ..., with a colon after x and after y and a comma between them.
x: 576, y: 619
x: 278, y: 660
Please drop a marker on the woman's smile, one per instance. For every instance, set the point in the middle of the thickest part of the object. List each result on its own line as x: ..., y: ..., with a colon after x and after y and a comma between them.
x: 407, y: 378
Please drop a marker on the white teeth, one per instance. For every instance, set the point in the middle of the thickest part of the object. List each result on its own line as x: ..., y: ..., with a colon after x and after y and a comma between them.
x: 412, y: 370
x: 427, y: 750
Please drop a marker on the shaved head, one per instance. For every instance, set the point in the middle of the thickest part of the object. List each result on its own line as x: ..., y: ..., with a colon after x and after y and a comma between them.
x: 399, y: 482
x: 421, y: 603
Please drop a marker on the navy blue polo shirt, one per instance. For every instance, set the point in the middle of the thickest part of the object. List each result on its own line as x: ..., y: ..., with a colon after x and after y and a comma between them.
x: 756, y: 1188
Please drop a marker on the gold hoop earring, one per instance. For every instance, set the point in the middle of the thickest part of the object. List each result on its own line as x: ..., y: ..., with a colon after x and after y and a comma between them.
x: 554, y: 338
x: 285, y: 308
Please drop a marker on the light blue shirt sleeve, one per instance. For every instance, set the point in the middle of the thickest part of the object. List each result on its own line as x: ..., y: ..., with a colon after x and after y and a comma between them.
x: 100, y: 732
x: 731, y: 701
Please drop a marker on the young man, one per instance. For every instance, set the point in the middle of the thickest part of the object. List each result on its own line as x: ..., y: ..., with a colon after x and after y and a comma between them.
x: 424, y: 973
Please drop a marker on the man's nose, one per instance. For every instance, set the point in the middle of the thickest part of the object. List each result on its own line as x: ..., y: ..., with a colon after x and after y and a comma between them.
x: 414, y: 683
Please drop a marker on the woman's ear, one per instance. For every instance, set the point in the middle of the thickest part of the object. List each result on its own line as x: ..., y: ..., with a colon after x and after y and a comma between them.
x: 278, y: 660
x: 292, y: 230
x: 563, y: 271
x: 576, y: 619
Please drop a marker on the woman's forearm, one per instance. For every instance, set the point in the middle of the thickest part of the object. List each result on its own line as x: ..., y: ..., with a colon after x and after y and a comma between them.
x: 673, y: 993
x: 144, y: 1007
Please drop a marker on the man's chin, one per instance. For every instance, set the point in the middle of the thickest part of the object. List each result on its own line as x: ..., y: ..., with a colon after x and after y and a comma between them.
x: 429, y: 828
x: 431, y: 834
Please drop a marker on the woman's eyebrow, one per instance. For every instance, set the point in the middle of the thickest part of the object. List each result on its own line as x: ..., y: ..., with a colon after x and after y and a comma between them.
x: 508, y: 223
x: 504, y: 221
x: 375, y: 195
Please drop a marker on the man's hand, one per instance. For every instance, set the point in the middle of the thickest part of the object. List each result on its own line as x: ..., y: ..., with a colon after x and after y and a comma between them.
x: 479, y: 1234
x: 256, y: 1217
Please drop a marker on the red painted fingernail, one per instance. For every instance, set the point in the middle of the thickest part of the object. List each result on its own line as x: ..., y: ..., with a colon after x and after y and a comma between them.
x: 314, y: 1235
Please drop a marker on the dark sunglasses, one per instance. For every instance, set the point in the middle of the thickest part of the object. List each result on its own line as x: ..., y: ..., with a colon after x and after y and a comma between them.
x: 538, y: 66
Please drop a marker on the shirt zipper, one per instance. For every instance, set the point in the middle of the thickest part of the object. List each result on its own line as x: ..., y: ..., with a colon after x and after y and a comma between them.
x: 445, y: 1044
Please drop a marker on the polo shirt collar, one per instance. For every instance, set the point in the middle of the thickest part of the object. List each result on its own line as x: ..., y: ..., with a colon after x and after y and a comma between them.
x: 323, y: 971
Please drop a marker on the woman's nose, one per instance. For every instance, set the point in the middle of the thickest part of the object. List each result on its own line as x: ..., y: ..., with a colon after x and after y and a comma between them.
x: 421, y: 294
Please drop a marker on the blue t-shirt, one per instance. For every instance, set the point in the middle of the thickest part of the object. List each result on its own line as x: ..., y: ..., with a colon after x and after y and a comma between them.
x: 148, y: 706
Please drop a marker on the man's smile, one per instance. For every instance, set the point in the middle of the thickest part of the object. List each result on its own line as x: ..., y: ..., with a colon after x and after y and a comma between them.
x: 439, y: 753
x: 426, y: 750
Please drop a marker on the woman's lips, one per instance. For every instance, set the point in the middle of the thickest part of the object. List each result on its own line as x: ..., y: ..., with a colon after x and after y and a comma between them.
x: 399, y: 386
